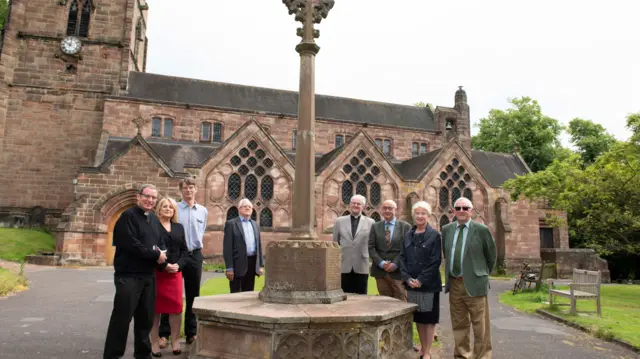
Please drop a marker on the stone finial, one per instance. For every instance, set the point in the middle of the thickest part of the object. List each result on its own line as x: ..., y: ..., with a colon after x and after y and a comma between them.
x: 461, y: 96
x: 309, y: 12
x: 140, y: 122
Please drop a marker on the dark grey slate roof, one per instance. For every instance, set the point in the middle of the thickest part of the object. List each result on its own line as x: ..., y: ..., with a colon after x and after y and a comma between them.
x: 176, y: 154
x: 155, y: 87
x: 498, y: 167
x: 413, y: 169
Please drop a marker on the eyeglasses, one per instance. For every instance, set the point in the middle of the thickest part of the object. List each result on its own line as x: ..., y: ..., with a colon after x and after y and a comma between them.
x: 388, y: 208
x: 462, y: 208
x: 148, y: 196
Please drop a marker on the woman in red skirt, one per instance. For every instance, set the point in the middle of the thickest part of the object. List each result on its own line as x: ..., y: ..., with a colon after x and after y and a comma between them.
x: 169, y: 275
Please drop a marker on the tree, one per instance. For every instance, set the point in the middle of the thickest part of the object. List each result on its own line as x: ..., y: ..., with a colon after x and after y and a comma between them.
x: 590, y: 138
x: 4, y: 9
x: 602, y: 200
x: 524, y: 126
x: 422, y: 104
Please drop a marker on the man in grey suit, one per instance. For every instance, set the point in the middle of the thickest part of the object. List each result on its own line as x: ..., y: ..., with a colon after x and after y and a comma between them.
x: 385, y: 242
x: 352, y: 233
x: 242, y: 250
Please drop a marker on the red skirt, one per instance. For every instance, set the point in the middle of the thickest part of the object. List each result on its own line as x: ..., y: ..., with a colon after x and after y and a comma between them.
x: 168, y: 293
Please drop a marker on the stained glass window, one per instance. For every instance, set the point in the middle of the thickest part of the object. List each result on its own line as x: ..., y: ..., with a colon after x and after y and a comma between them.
x: 217, y: 132
x: 251, y: 187
x: 266, y: 218
x: 455, y: 194
x: 347, y: 192
x: 375, y: 216
x: 233, y: 186
x: 266, y: 188
x: 252, y: 145
x: 444, y: 197
x: 232, y: 213
x: 361, y: 189
x: 205, y: 132
x: 444, y: 220
x: 375, y: 194
x: 468, y: 194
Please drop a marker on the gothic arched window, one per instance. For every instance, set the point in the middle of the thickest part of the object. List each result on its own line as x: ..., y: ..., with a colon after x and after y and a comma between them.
x: 455, y: 181
x: 232, y: 213
x: 266, y: 188
x: 251, y: 187
x: 266, y: 218
x: 360, y: 172
x: 444, y: 198
x: 375, y: 216
x: 234, y: 186
x: 250, y: 179
x: 444, y: 220
x: 217, y: 132
x: 79, y: 18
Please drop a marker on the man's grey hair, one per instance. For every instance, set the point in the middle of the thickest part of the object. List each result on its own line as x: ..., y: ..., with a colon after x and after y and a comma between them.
x: 390, y: 201
x: 245, y: 202
x: 421, y: 204
x: 463, y: 202
x: 145, y: 186
x: 359, y: 197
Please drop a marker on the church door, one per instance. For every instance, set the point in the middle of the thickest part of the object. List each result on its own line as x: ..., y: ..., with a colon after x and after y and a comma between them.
x: 109, y: 249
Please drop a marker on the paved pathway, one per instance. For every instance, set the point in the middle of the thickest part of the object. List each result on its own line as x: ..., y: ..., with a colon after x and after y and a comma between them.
x: 66, y: 311
x: 523, y: 336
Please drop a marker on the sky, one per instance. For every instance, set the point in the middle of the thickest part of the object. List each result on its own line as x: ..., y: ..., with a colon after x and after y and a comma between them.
x: 576, y: 58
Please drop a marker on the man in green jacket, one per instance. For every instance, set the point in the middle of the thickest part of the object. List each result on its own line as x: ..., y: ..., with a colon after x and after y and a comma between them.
x: 470, y: 255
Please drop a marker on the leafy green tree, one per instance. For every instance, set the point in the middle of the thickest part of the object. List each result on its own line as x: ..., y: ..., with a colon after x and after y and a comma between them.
x: 602, y: 200
x: 590, y: 138
x: 525, y: 126
x: 4, y: 8
x: 422, y: 104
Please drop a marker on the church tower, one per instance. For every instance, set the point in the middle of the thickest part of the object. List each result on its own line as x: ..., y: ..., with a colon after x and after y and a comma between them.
x: 58, y: 61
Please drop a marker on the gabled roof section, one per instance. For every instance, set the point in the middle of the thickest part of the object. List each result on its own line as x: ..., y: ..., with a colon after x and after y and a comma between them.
x: 497, y: 168
x: 160, y: 88
x: 414, y: 169
x: 177, y: 154
x: 125, y: 147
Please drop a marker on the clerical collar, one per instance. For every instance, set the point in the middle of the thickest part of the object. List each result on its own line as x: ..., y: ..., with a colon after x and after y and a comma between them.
x: 356, y: 217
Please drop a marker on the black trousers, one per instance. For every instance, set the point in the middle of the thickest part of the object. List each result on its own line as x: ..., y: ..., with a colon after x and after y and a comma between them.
x: 135, y: 298
x: 247, y: 282
x: 354, y: 282
x: 192, y: 275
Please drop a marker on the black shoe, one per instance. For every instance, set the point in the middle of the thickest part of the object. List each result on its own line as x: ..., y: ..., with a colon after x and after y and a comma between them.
x: 192, y: 339
x: 156, y: 355
x: 177, y: 352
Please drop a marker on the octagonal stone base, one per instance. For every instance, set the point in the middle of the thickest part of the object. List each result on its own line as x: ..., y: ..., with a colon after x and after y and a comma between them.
x: 240, y: 326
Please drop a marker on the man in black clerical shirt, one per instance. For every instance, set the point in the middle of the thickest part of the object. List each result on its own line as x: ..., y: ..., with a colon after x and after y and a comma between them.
x: 136, y: 239
x: 352, y: 233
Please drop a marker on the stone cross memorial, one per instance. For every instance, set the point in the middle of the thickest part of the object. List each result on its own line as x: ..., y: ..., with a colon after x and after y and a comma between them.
x: 302, y: 311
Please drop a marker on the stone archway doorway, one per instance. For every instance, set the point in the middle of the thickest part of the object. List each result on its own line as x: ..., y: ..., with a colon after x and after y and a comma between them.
x: 109, y: 249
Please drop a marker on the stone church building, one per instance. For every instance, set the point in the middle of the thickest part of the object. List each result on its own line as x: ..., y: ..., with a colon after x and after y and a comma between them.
x: 82, y: 125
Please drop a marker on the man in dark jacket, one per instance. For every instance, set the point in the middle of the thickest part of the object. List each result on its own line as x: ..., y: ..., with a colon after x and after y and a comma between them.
x: 136, y: 239
x: 242, y: 250
x: 385, y: 242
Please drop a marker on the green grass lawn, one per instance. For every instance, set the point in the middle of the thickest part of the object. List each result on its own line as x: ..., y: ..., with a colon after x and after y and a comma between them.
x: 620, y: 310
x: 15, y: 244
x: 220, y: 285
x: 10, y: 282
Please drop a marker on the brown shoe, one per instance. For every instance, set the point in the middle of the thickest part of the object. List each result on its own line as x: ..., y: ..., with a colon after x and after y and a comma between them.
x: 192, y: 339
x: 162, y: 342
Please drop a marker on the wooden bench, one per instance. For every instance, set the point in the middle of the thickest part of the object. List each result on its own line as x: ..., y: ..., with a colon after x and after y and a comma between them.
x: 585, y: 285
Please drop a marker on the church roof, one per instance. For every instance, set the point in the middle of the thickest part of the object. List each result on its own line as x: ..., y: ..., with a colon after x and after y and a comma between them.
x: 498, y: 167
x: 413, y: 169
x: 160, y: 88
x: 177, y: 154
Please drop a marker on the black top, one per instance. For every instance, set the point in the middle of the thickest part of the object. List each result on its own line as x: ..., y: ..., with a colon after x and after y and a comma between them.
x: 354, y: 225
x: 175, y: 243
x: 136, y: 239
x: 420, y: 259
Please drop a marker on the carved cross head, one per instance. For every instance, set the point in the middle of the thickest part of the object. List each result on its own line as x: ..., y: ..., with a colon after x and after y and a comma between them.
x: 320, y: 9
x: 140, y: 122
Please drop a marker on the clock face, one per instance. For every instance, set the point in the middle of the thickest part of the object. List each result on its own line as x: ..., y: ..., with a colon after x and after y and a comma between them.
x: 70, y: 45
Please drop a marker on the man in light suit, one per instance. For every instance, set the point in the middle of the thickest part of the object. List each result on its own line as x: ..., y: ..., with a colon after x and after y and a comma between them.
x: 352, y: 233
x: 470, y: 253
x: 242, y: 250
x: 385, y: 242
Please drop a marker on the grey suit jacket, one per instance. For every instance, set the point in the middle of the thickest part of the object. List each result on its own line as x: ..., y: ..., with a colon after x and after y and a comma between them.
x: 355, y: 250
x: 379, y: 252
